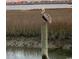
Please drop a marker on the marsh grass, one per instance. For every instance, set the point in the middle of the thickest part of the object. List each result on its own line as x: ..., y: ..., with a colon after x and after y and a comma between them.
x: 28, y: 23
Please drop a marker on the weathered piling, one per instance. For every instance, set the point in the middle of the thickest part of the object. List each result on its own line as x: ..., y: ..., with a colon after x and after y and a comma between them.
x: 44, y: 40
x: 44, y: 33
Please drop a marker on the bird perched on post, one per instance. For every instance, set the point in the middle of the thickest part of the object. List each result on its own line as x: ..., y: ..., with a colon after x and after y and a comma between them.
x: 46, y: 16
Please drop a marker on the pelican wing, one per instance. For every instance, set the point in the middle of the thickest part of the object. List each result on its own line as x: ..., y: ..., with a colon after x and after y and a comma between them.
x: 48, y: 17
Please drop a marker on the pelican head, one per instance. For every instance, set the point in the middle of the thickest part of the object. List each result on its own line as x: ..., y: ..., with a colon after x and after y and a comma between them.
x: 43, y: 11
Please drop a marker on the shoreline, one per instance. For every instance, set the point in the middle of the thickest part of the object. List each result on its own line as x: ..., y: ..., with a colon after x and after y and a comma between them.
x: 35, y: 42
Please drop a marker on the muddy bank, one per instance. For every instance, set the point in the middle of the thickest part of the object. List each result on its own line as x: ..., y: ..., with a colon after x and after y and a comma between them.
x: 62, y: 41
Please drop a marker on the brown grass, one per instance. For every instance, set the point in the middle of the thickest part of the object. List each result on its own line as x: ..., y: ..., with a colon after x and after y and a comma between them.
x: 29, y: 21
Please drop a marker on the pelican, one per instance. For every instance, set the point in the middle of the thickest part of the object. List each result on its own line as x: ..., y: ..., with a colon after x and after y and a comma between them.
x: 46, y: 16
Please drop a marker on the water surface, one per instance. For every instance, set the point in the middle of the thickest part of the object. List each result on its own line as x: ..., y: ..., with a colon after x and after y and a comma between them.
x: 19, y: 53
x: 39, y: 6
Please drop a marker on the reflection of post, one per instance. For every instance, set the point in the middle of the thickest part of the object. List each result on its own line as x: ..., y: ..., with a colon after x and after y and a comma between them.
x: 44, y: 40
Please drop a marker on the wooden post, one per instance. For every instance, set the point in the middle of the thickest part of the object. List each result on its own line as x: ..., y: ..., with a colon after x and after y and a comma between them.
x: 44, y: 40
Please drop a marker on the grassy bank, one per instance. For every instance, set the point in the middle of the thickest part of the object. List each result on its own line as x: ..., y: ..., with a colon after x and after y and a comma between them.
x: 29, y: 22
x: 23, y: 28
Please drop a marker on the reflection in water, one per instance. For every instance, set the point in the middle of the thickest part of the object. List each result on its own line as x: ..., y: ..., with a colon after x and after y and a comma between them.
x: 30, y: 54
